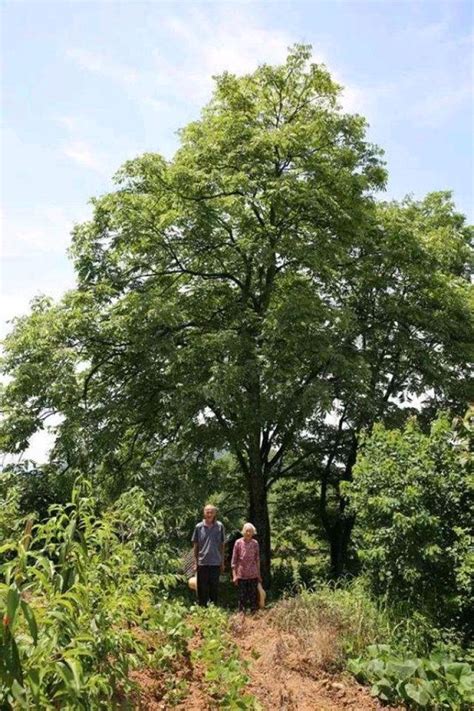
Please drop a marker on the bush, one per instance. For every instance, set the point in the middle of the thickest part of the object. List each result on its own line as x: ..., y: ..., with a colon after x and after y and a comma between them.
x: 148, y: 536
x: 436, y: 682
x: 39, y: 487
x: 413, y: 500
x: 290, y: 576
x: 72, y: 598
x: 11, y: 520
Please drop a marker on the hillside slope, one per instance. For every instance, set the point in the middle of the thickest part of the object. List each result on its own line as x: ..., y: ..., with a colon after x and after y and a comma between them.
x: 284, y: 675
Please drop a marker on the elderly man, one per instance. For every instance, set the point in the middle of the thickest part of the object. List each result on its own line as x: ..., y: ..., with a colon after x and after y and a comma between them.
x: 208, y: 541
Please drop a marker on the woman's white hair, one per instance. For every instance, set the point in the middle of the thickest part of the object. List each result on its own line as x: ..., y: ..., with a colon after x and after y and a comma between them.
x: 249, y: 526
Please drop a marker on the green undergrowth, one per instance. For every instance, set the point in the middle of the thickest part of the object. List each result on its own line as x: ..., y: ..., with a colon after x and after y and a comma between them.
x: 438, y: 681
x: 225, y: 673
x: 403, y: 656
x: 73, y: 598
x: 333, y: 623
x: 81, y: 611
x: 86, y: 606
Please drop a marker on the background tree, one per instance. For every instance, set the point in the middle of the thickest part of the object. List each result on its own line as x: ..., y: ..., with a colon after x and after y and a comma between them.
x: 409, y: 334
x: 248, y: 295
x: 413, y: 496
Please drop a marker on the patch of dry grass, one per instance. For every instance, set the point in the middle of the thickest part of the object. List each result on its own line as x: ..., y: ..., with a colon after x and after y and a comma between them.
x: 331, y: 623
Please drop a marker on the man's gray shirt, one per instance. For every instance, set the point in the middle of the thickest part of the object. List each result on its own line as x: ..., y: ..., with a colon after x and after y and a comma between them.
x: 209, y: 540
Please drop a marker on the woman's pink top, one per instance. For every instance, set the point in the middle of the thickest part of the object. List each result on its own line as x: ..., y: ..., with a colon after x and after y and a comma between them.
x: 246, y: 558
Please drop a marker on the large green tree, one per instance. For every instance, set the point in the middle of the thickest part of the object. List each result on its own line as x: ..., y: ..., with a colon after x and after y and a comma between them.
x: 248, y: 295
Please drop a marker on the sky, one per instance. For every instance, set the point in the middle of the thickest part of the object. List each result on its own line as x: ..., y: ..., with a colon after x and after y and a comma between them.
x: 87, y: 85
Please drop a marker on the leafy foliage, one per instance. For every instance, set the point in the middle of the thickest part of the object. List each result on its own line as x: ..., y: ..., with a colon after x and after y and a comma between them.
x: 438, y: 681
x: 225, y: 673
x: 148, y: 536
x: 72, y: 596
x: 11, y: 519
x: 413, y: 496
x: 78, y: 598
x: 37, y: 487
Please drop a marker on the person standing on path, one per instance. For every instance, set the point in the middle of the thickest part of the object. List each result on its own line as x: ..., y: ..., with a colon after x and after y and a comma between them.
x: 208, y: 541
x: 246, y: 568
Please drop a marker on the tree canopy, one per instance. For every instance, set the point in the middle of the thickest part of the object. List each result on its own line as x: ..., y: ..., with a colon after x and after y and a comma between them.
x: 252, y: 295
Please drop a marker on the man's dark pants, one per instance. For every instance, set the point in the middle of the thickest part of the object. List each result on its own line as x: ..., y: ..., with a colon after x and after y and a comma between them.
x: 208, y: 583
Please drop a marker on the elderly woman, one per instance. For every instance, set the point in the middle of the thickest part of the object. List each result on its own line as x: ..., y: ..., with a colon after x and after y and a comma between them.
x: 208, y: 542
x: 246, y: 568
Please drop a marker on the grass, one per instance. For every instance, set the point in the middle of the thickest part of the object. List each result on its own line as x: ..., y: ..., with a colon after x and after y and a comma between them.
x: 332, y: 623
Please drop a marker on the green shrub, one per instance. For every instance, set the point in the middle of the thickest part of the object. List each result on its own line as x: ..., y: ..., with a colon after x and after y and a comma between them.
x: 147, y: 534
x: 413, y: 499
x: 11, y: 519
x: 38, y: 487
x: 73, y: 602
x: 436, y: 682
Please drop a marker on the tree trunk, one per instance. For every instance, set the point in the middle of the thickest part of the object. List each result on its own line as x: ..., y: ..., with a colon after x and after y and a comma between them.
x: 258, y: 515
x: 339, y: 539
x: 338, y: 529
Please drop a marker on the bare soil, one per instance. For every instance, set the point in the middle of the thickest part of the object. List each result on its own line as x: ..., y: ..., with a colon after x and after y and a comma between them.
x: 284, y: 676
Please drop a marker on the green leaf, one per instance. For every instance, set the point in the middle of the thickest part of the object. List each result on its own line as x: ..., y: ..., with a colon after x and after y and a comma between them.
x: 76, y: 668
x: 402, y: 670
x: 19, y: 694
x: 419, y: 693
x: 12, y: 659
x: 457, y: 670
x: 31, y: 620
x: 13, y: 600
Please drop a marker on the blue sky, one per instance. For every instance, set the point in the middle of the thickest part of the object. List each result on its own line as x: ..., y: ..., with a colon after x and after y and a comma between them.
x: 88, y: 85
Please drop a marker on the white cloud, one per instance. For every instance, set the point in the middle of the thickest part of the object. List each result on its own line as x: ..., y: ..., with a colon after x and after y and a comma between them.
x: 75, y: 124
x: 211, y: 44
x: 434, y: 88
x: 432, y: 31
x: 417, y: 98
x: 33, y: 256
x: 12, y: 306
x: 236, y: 41
x: 84, y: 155
x: 353, y: 99
x: 439, y: 105
x: 44, y: 229
x: 83, y: 135
x: 33, y: 251
x: 103, y: 66
x: 231, y: 38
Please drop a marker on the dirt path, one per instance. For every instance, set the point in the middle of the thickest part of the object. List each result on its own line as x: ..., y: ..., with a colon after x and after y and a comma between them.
x: 285, y: 675
x: 283, y: 678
